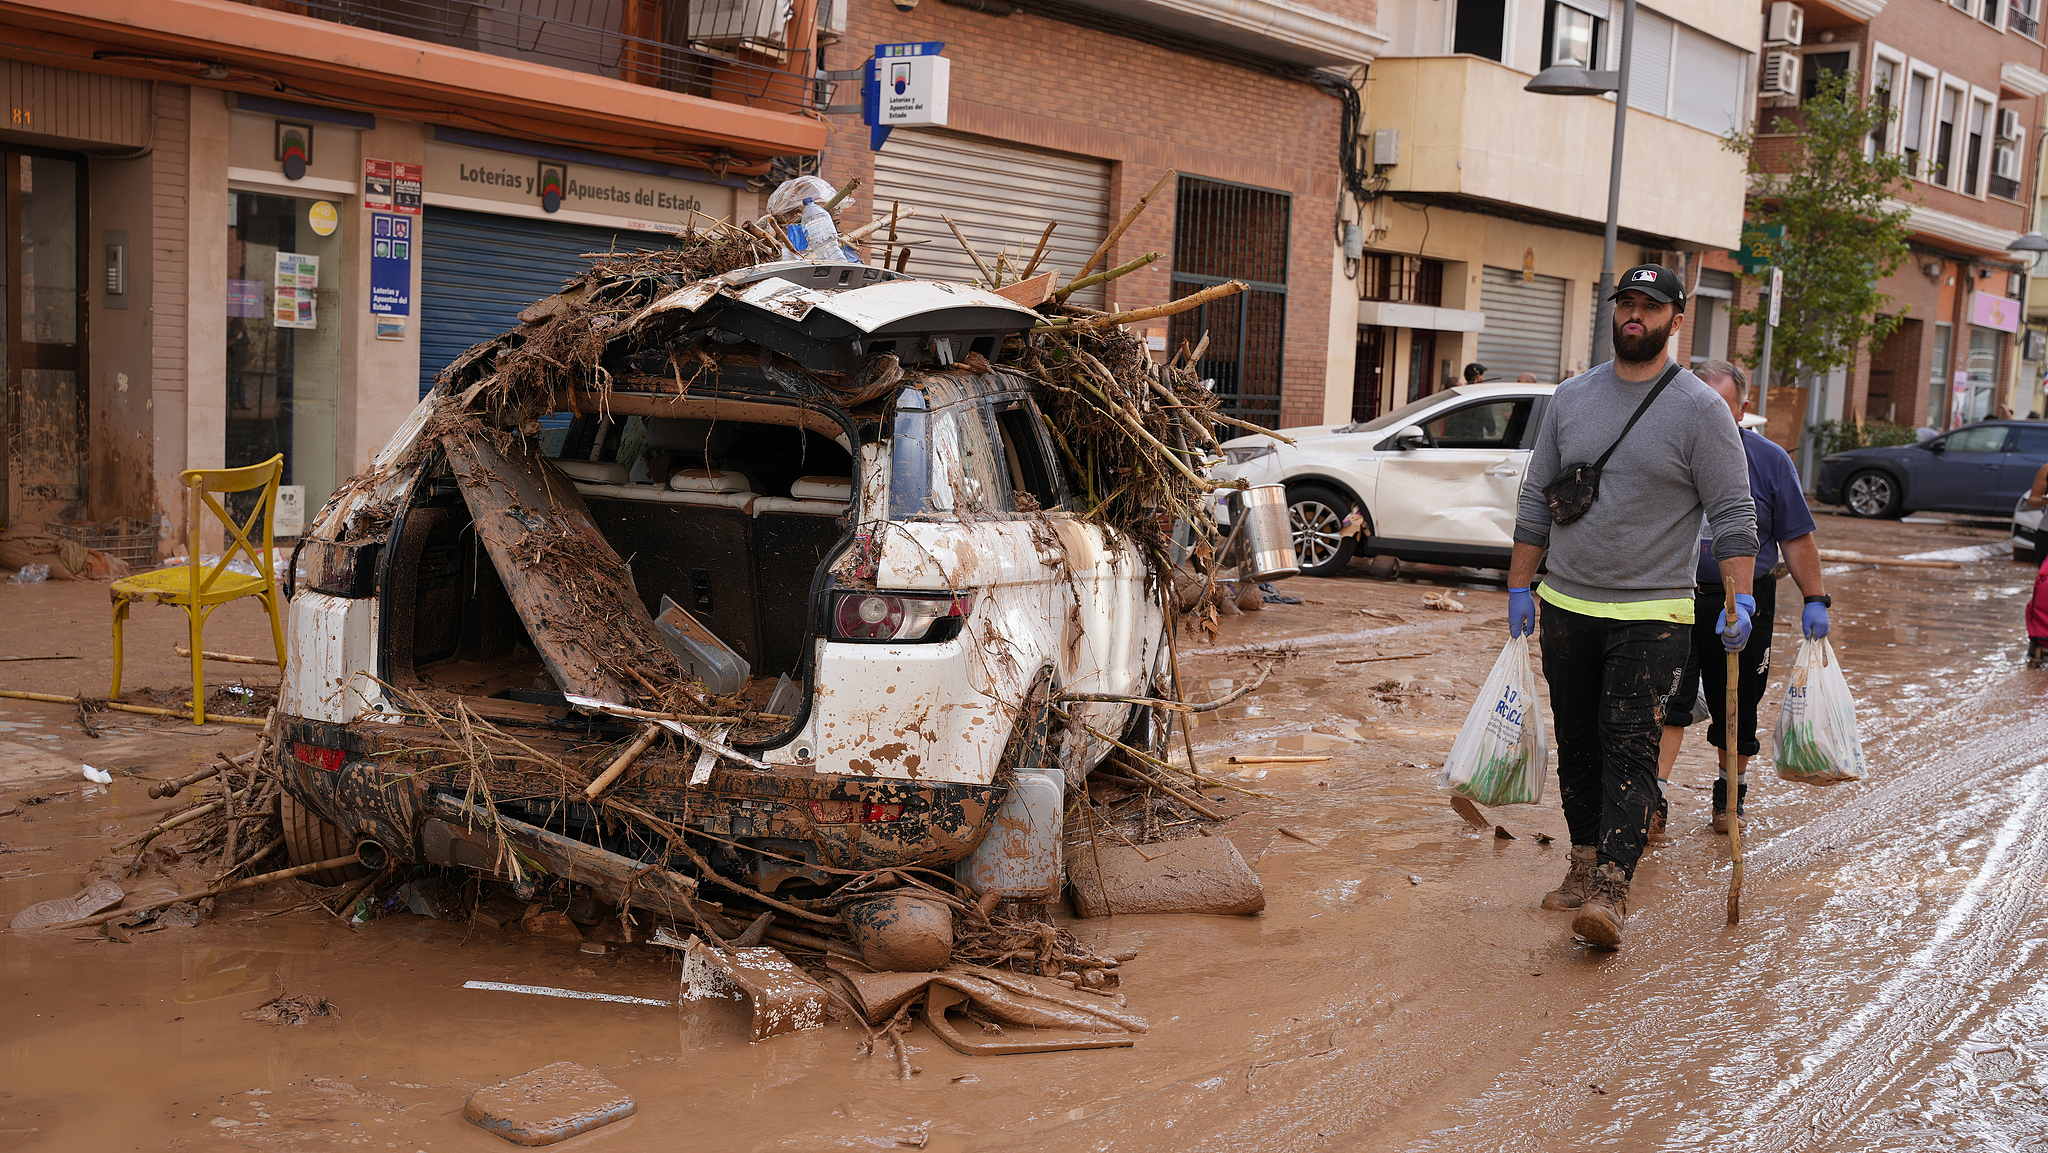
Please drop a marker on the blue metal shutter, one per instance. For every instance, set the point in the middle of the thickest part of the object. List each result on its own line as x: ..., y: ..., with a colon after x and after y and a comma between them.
x: 482, y: 269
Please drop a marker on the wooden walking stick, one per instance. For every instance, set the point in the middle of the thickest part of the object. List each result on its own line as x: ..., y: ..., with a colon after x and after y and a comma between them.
x: 1728, y: 774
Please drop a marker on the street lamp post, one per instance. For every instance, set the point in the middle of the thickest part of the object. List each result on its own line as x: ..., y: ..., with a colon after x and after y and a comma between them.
x: 2030, y: 244
x: 1571, y: 80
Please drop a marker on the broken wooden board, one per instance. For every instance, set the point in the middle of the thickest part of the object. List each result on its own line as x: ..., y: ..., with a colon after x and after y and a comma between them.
x: 568, y: 585
x: 782, y: 998
x: 1029, y: 293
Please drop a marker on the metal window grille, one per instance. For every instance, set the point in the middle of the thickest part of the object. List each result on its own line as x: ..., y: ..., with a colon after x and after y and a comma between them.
x: 1393, y: 277
x: 725, y: 49
x: 1224, y: 232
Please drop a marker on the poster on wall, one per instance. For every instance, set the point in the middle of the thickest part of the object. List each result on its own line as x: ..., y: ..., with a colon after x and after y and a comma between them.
x: 408, y: 187
x: 245, y: 298
x: 390, y: 264
x: 298, y: 283
x: 376, y: 185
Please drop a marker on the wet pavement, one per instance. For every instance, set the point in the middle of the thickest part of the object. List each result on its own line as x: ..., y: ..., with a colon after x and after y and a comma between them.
x: 1401, y: 990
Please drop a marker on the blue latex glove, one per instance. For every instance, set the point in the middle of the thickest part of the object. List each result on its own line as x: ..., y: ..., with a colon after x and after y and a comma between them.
x: 1814, y: 621
x: 1521, y: 613
x: 1737, y: 639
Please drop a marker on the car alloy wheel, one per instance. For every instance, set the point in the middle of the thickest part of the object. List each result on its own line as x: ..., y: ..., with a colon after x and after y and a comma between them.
x: 1872, y: 494
x: 1318, y: 532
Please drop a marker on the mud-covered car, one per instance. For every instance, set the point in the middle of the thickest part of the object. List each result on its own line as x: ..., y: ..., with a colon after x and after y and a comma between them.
x: 893, y: 558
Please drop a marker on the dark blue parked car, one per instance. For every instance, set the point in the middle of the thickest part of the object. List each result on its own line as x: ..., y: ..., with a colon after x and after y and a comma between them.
x: 1979, y: 468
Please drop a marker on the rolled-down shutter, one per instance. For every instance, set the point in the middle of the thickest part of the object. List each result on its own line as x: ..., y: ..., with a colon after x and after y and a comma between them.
x: 1000, y: 195
x: 1524, y: 325
x: 482, y: 269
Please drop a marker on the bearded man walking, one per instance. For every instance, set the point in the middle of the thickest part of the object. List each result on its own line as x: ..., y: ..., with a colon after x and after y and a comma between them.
x: 1628, y: 457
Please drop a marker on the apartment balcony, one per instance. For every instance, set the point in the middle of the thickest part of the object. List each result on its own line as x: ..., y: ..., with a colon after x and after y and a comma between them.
x: 1328, y: 33
x: 1471, y: 137
x: 721, y: 80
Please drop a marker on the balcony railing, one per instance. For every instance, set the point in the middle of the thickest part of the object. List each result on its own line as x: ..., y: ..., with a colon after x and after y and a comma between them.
x: 729, y: 50
x: 2019, y: 20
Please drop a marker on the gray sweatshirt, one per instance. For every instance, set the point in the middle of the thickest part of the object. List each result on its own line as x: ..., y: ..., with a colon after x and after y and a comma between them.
x: 1640, y: 540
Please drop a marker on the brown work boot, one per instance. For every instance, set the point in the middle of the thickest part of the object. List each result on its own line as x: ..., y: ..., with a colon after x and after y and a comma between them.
x: 1605, y: 909
x: 1572, y: 893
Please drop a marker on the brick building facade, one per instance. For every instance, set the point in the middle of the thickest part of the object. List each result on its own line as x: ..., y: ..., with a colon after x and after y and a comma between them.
x: 1105, y: 106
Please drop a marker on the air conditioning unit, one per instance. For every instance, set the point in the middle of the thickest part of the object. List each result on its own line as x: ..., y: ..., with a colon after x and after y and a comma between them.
x: 2009, y: 124
x: 730, y: 22
x: 2005, y: 161
x: 1781, y: 74
x: 1786, y: 25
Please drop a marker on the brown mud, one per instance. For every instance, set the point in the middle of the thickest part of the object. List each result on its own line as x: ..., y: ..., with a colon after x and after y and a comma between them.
x: 1401, y: 990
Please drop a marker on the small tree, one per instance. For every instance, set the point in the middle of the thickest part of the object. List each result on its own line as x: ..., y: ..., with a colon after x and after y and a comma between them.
x: 1839, y: 240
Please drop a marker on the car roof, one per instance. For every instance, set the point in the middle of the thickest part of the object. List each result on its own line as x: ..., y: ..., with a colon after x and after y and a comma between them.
x: 1532, y: 389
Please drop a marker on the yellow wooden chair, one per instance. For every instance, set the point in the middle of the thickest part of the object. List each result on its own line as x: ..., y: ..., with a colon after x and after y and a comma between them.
x: 200, y: 588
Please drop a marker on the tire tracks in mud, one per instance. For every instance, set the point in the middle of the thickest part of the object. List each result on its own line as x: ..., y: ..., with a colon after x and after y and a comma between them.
x: 1772, y: 1036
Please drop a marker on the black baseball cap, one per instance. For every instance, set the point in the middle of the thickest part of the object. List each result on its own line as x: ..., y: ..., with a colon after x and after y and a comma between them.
x: 1654, y: 281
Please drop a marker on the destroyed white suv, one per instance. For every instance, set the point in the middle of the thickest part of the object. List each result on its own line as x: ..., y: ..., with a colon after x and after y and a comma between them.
x: 855, y: 526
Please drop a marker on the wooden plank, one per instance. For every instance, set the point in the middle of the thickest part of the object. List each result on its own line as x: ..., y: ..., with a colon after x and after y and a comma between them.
x: 566, y: 582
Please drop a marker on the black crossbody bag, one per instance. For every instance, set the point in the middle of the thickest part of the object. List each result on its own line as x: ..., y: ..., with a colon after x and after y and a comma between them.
x: 1572, y: 494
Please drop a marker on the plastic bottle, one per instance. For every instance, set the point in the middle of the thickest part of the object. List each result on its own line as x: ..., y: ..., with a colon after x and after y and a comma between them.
x: 821, y: 236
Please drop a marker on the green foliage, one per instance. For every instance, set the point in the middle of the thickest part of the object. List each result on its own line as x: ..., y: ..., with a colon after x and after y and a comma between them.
x: 1840, y: 239
x: 1830, y: 436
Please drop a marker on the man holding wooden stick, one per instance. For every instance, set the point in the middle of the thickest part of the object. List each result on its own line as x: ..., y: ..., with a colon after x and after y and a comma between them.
x: 1615, y: 499
x: 1782, y: 522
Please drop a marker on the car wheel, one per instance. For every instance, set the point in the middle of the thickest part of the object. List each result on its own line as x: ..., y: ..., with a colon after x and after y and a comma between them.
x: 1873, y: 494
x: 310, y: 838
x: 1316, y: 514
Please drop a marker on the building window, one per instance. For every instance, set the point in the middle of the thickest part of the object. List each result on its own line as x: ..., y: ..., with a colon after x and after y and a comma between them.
x: 1944, y: 137
x: 1914, y: 130
x: 1815, y: 67
x: 1224, y: 232
x: 283, y: 347
x: 1884, y: 82
x: 2005, y: 171
x: 1571, y: 36
x: 2022, y: 16
x: 1973, y: 160
x: 1937, y: 373
x: 1400, y: 279
x: 1481, y: 28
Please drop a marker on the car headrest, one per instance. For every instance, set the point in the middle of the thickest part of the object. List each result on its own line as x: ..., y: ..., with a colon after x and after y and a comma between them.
x: 592, y: 471
x: 709, y: 480
x: 822, y: 488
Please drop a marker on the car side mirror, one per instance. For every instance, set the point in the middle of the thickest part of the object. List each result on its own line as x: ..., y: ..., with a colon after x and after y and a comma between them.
x: 1411, y: 437
x: 1934, y: 446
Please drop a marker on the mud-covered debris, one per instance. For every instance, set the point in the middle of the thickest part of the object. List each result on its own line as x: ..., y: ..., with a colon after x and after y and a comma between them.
x: 291, y: 1010
x: 1197, y: 875
x: 1443, y: 602
x: 550, y: 1104
x: 63, y: 910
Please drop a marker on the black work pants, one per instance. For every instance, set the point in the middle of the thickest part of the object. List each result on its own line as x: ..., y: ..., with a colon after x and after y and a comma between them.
x: 1608, y: 680
x: 1707, y: 667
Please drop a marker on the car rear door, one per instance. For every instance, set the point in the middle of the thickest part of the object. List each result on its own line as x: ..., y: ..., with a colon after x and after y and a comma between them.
x: 1967, y: 474
x: 1461, y: 487
x: 2028, y: 452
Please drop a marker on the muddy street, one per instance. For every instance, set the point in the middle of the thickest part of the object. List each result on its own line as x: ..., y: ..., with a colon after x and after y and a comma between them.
x: 1401, y: 989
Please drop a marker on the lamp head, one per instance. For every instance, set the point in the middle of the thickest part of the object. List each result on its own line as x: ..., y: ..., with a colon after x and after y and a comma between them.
x: 2028, y: 242
x: 1571, y: 80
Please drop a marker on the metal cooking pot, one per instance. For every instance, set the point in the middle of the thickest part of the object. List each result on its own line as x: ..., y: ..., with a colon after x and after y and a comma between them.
x: 1268, y: 536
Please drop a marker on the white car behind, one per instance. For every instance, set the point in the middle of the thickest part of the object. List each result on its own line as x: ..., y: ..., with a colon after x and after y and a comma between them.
x: 1435, y: 480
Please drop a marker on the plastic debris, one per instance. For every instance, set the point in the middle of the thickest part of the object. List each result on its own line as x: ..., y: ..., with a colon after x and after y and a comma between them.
x: 31, y: 574
x: 98, y: 776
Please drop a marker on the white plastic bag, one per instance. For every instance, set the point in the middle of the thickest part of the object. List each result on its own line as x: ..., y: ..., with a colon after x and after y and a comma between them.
x: 1816, y: 736
x: 1502, y: 754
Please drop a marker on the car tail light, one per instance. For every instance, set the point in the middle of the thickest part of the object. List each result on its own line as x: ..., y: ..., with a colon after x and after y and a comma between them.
x: 854, y: 812
x: 876, y: 616
x: 342, y: 570
x: 327, y: 759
